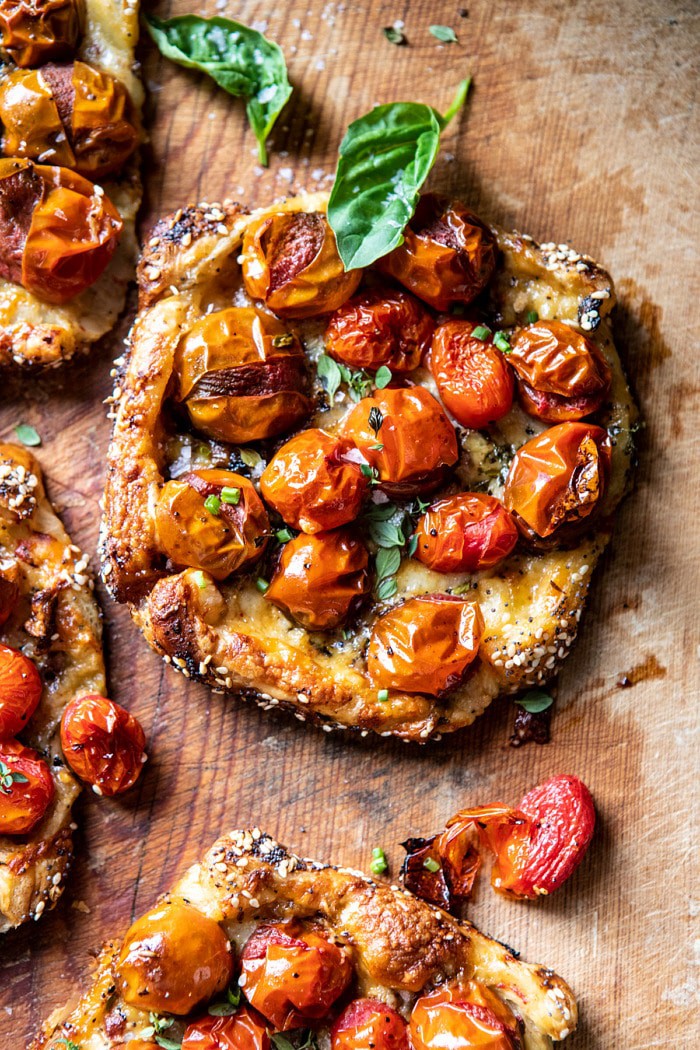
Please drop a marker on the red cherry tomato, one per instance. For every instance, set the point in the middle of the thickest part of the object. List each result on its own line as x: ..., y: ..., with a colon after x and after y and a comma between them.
x: 465, y: 533
x: 367, y: 1024
x: 244, y: 1030
x: 26, y: 788
x: 20, y: 691
x: 462, y: 1017
x: 380, y: 326
x: 293, y: 975
x: 103, y: 744
x: 472, y: 376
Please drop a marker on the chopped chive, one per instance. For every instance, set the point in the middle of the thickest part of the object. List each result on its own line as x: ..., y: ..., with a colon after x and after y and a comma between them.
x: 230, y: 495
x: 481, y: 332
x: 431, y: 865
x: 261, y: 584
x: 376, y: 448
x: 379, y: 862
x: 502, y: 342
x: 213, y: 505
x: 383, y: 695
x: 283, y: 535
x: 532, y: 316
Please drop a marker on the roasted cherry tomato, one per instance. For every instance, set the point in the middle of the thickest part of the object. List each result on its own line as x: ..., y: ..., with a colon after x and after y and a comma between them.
x: 20, y: 691
x: 293, y: 975
x: 244, y: 1030
x: 425, y: 645
x: 290, y: 260
x: 558, y: 479
x: 242, y: 376
x: 367, y: 1024
x: 26, y: 788
x: 320, y: 579
x: 461, y: 1017
x: 314, y: 483
x: 71, y: 115
x: 173, y: 959
x: 212, y: 520
x: 562, y: 374
x: 57, y: 232
x: 9, y: 593
x: 465, y: 533
x: 380, y: 326
x: 406, y: 438
x: 37, y: 31
x: 447, y: 255
x: 472, y: 376
x: 103, y: 744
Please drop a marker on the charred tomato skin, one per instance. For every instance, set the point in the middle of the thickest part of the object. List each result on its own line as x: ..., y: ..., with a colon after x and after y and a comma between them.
x: 20, y: 691
x: 468, y: 532
x: 368, y: 1024
x: 472, y: 376
x: 380, y: 326
x: 243, y: 1030
x: 103, y: 744
x: 26, y: 788
x: 38, y: 31
x: 472, y: 1015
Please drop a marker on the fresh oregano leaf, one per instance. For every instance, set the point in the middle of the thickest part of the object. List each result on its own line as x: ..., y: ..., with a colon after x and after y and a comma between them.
x: 27, y: 435
x: 445, y: 34
x: 394, y: 35
x: 383, y: 377
x: 329, y: 374
x: 386, y: 588
x: 388, y: 561
x: 535, y: 700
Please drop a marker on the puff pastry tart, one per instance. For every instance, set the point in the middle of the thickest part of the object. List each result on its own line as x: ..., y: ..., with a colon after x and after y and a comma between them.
x: 376, y: 497
x: 70, y: 109
x: 323, y: 954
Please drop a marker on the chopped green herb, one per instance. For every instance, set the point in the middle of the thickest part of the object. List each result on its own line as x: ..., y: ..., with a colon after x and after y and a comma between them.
x: 261, y: 584
x: 27, y: 435
x: 370, y: 472
x: 230, y: 495
x: 383, y: 696
x: 329, y: 374
x: 532, y: 317
x: 213, y: 505
x: 199, y: 579
x: 157, y: 1026
x: 68, y: 1043
x: 284, y: 535
x: 250, y: 457
x: 375, y: 419
x: 462, y: 588
x: 379, y: 862
x: 422, y: 505
x: 431, y: 864
x: 8, y: 777
x: 383, y: 377
x: 502, y: 342
x: 376, y: 448
x: 445, y: 34
x: 481, y: 332
x: 283, y: 340
x: 535, y: 701
x: 394, y: 35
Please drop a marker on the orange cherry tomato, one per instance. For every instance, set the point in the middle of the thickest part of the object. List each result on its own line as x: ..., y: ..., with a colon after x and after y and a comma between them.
x: 26, y: 788
x: 447, y: 255
x: 380, y: 326
x: 293, y: 975
x: 320, y: 579
x: 103, y: 744
x: 57, y: 232
x: 212, y: 520
x: 465, y: 533
x: 562, y: 375
x: 173, y: 959
x: 367, y: 1024
x: 404, y: 434
x: 242, y: 376
x: 558, y: 479
x: 38, y: 31
x: 472, y: 376
x: 313, y: 483
x: 20, y: 691
x: 244, y: 1030
x: 463, y: 1017
x: 425, y: 645
x: 290, y: 260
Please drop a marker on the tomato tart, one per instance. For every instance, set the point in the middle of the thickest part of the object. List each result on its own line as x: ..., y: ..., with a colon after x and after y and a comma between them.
x: 373, y: 497
x: 70, y: 118
x: 255, y: 942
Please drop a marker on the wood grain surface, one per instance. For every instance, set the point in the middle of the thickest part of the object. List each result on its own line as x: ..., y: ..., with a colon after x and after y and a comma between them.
x: 581, y: 128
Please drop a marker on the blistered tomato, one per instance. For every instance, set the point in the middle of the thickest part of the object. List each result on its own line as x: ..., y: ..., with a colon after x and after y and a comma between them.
x: 293, y: 975
x: 465, y: 533
x: 367, y: 1024
x: 314, y: 483
x: 406, y: 437
x: 102, y: 743
x: 20, y: 691
x: 243, y: 1030
x: 463, y: 1017
x: 37, y: 31
x: 26, y: 788
x: 380, y: 326
x: 425, y: 645
x: 472, y: 376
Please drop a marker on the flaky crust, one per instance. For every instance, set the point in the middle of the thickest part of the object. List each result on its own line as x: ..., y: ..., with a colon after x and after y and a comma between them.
x: 57, y: 624
x: 228, y: 636
x: 400, y: 946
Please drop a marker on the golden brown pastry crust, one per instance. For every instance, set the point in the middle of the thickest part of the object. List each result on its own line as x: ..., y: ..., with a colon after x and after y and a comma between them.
x: 228, y: 636
x: 400, y: 945
x: 57, y: 624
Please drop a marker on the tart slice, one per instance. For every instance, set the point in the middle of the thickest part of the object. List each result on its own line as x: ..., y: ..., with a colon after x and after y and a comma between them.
x: 255, y: 941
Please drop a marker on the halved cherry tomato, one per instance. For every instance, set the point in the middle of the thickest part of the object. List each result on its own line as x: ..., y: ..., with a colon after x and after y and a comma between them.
x: 290, y: 260
x: 320, y: 578
x: 244, y: 1030
x: 558, y: 479
x: 562, y: 374
x: 447, y: 255
x: 380, y: 326
x: 472, y: 376
x: 462, y: 1017
x: 37, y: 31
x: 212, y: 520
x: 173, y: 959
x: 314, y: 483
x: 465, y: 533
x: 26, y: 788
x: 293, y: 975
x: 404, y: 434
x: 103, y: 744
x: 20, y: 691
x: 367, y: 1024
x: 425, y: 645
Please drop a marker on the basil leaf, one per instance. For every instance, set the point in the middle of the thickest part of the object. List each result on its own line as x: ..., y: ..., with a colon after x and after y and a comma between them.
x: 535, y: 700
x: 444, y: 33
x: 27, y: 435
x: 329, y: 374
x: 383, y: 161
x: 241, y: 61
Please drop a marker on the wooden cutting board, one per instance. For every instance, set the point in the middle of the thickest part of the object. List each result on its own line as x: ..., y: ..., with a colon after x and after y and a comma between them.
x: 580, y: 129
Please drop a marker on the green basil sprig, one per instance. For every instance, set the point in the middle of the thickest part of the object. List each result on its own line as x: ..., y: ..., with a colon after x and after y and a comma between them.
x: 383, y: 161
x: 241, y: 61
